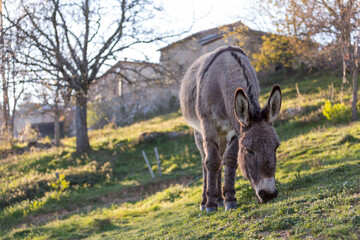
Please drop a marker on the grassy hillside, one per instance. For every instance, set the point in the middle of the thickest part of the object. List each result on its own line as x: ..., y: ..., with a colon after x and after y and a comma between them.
x: 109, y: 193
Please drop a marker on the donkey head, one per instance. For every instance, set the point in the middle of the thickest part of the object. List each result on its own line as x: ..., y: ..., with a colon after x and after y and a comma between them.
x: 258, y: 143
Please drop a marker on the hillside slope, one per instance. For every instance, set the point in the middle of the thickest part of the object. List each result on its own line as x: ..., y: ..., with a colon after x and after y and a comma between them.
x: 111, y: 195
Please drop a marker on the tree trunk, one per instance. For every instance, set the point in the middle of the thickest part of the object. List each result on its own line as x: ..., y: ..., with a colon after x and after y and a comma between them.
x: 57, y: 129
x: 355, y: 67
x: 82, y: 139
x: 343, y: 79
x: 5, y: 110
x: 12, y: 125
x: 355, y: 90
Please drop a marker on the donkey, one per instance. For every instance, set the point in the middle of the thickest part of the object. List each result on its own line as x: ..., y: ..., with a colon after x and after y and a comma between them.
x: 219, y: 100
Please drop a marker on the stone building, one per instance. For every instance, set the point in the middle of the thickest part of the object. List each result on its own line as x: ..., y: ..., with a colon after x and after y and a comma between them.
x: 130, y: 91
x: 178, y: 56
x: 40, y: 117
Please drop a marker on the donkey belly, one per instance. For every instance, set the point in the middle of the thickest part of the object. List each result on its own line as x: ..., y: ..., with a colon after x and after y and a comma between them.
x: 225, y: 129
x: 195, y: 124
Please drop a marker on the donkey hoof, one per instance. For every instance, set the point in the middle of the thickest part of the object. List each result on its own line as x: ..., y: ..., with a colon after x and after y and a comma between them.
x: 230, y: 205
x: 220, y: 203
x: 211, y: 209
x: 202, y: 207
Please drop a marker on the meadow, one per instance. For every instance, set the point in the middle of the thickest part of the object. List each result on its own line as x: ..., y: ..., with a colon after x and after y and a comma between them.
x: 108, y: 193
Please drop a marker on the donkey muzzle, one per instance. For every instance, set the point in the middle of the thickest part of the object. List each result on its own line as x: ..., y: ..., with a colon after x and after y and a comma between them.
x: 266, y: 190
x: 264, y: 196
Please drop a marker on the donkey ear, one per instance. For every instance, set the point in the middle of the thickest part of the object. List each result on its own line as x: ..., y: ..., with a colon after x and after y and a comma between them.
x: 242, y: 112
x: 274, y: 104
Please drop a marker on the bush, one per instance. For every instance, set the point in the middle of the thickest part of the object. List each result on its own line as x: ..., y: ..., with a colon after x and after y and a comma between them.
x: 28, y: 134
x: 338, y: 112
x: 60, y: 185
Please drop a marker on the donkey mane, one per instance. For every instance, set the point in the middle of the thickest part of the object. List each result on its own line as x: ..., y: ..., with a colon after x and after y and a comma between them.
x: 229, y: 48
x: 233, y: 51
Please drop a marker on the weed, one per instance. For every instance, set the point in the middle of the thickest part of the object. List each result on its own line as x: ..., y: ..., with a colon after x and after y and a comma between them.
x: 337, y: 112
x: 60, y: 185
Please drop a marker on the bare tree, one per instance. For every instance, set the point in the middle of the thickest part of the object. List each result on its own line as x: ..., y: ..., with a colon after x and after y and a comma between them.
x: 13, y: 74
x: 5, y: 104
x: 335, y: 20
x: 16, y: 81
x: 79, y: 38
x: 56, y: 98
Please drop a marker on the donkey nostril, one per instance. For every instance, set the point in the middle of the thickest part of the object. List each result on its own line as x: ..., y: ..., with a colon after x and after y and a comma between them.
x: 267, y: 195
x: 261, y: 193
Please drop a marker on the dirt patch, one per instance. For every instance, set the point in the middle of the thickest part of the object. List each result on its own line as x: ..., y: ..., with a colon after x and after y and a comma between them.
x: 124, y: 195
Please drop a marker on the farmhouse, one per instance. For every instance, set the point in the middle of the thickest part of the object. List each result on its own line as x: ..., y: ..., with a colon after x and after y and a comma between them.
x: 178, y: 56
x: 41, y: 118
x: 129, y: 91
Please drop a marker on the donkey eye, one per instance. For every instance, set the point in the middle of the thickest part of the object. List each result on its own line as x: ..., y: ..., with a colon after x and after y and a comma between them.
x: 249, y: 151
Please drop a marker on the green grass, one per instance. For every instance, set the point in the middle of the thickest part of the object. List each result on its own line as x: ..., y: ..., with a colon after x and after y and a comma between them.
x: 112, y: 195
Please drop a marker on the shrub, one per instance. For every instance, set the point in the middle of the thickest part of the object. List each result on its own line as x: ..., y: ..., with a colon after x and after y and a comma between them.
x: 60, y: 185
x: 337, y: 112
x: 28, y: 134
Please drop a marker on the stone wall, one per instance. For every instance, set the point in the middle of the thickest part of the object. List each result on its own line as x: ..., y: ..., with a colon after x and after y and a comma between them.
x: 132, y: 106
x: 131, y: 91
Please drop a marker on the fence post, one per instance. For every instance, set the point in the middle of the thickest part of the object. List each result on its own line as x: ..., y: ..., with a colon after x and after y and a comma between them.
x: 158, y: 161
x: 148, y: 164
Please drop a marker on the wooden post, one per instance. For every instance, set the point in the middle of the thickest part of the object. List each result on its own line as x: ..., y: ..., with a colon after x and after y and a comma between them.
x: 158, y: 161
x: 299, y: 96
x: 148, y: 164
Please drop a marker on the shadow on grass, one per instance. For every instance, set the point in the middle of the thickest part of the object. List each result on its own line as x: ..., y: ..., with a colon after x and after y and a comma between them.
x: 333, y: 180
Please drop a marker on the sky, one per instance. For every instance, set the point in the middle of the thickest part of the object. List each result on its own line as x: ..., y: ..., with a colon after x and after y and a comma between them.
x: 197, y: 15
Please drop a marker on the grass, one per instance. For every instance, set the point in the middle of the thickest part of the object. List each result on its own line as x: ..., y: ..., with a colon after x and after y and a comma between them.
x: 112, y: 195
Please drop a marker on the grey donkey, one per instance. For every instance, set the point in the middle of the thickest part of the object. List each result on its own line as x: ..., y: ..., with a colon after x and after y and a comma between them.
x: 219, y: 98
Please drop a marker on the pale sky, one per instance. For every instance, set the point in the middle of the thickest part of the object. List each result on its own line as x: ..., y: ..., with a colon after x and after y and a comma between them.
x: 198, y: 15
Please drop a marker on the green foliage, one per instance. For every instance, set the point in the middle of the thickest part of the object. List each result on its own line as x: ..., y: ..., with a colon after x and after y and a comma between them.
x: 34, y: 206
x: 274, y: 50
x: 97, y: 115
x: 336, y: 112
x: 28, y: 134
x: 60, y: 185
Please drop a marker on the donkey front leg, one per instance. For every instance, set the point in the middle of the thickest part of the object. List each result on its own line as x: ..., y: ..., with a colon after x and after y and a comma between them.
x: 230, y: 161
x: 199, y: 144
x: 213, y: 164
x: 220, y: 200
x: 222, y: 148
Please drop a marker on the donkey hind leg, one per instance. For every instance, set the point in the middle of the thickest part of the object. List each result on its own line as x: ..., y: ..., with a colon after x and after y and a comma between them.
x: 230, y: 162
x: 199, y: 144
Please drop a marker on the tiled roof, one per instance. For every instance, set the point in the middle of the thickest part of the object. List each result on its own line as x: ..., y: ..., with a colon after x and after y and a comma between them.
x: 204, y: 36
